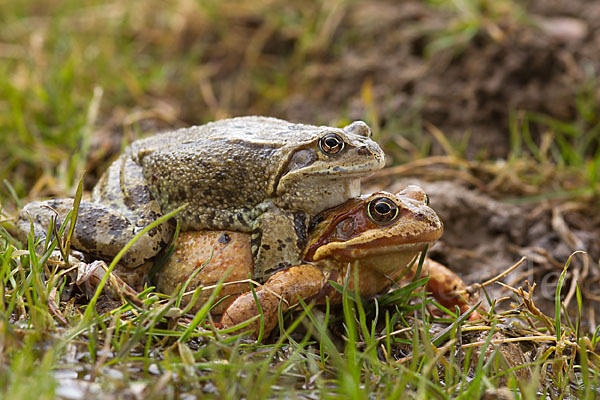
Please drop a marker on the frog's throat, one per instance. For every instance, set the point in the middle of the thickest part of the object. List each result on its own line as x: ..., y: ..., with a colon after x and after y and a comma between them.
x: 313, y: 196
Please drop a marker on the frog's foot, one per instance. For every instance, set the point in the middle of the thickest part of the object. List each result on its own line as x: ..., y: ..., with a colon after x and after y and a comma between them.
x: 100, y: 231
x: 285, y: 288
x: 89, y: 275
x: 447, y: 288
x: 278, y: 238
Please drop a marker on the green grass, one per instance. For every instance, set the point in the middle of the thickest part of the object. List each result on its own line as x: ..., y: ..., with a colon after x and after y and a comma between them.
x: 352, y: 352
x: 471, y: 17
x: 72, y: 72
x: 572, y: 145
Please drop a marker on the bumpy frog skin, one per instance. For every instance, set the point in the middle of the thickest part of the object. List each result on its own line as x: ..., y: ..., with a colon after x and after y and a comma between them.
x: 379, y: 234
x: 249, y: 174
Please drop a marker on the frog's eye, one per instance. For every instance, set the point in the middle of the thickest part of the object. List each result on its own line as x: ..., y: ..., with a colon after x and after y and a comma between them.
x: 331, y: 143
x: 426, y: 199
x: 382, y: 210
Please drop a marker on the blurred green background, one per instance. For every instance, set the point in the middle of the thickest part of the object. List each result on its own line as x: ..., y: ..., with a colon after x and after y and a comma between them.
x: 480, y: 79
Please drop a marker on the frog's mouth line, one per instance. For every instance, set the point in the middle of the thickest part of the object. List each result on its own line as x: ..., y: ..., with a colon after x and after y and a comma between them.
x: 305, y: 177
x: 375, y: 248
x: 352, y: 172
x: 324, y: 167
x: 429, y: 236
x: 387, y: 245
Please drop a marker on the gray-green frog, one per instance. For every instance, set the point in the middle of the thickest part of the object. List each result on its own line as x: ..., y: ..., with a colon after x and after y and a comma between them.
x: 249, y: 174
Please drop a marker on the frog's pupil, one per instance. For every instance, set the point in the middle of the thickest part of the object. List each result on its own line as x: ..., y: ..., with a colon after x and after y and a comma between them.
x: 331, y: 144
x: 382, y: 210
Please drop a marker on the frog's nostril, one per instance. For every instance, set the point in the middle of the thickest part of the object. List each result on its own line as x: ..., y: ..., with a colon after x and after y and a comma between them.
x: 364, y: 151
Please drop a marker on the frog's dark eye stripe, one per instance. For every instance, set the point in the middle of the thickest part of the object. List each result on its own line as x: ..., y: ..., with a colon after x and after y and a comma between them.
x: 331, y: 143
x: 426, y: 199
x: 382, y: 210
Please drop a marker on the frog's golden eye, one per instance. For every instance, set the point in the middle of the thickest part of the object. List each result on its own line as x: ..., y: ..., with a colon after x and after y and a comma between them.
x: 382, y: 210
x: 331, y: 143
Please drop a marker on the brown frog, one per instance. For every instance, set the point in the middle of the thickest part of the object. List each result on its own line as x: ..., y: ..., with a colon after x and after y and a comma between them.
x: 379, y: 234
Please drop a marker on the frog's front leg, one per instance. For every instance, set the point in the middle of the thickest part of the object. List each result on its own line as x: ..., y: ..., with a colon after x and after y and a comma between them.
x: 278, y: 238
x: 100, y: 231
x: 285, y: 287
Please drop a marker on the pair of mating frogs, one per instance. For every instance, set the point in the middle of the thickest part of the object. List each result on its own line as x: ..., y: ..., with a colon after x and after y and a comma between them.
x: 268, y: 179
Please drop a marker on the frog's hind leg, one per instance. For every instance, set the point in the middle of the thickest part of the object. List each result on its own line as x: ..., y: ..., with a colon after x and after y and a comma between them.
x: 285, y: 288
x: 100, y: 231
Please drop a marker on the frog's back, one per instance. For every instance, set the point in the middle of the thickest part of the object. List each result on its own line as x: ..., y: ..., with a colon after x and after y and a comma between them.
x: 221, y: 170
x: 254, y: 130
x: 261, y: 130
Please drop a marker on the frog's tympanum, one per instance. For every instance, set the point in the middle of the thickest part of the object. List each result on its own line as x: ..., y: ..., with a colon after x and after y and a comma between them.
x: 249, y: 174
x: 379, y: 234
